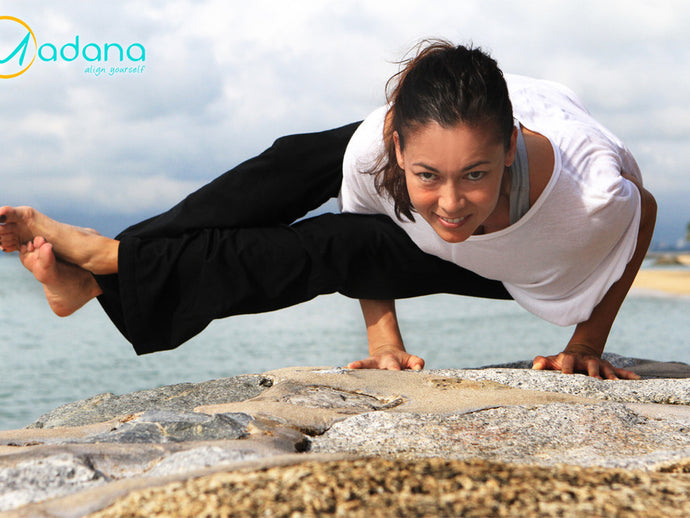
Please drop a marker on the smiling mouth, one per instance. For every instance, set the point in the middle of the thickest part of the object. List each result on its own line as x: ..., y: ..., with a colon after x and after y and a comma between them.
x: 453, y: 221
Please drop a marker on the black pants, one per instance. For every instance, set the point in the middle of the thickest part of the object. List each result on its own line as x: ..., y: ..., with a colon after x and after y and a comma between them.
x: 232, y: 247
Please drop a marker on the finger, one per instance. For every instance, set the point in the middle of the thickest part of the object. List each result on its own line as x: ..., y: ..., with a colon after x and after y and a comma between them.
x: 360, y: 364
x: 626, y: 374
x: 539, y: 363
x: 415, y: 363
x: 567, y: 362
x: 608, y: 372
x: 375, y: 363
x: 593, y: 368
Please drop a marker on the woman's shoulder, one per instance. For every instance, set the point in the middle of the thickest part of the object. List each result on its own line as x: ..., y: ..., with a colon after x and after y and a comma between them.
x: 533, y: 95
x: 366, y: 145
x: 363, y: 154
x: 588, y: 149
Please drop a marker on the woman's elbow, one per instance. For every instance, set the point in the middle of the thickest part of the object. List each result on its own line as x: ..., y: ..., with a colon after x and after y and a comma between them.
x: 648, y: 203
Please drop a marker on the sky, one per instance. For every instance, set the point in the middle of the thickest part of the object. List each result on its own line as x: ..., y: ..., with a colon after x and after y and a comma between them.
x: 210, y: 83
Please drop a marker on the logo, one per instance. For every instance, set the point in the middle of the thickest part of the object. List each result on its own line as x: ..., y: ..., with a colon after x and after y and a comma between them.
x: 18, y: 47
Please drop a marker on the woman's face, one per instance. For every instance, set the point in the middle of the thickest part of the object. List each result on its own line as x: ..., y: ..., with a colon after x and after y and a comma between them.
x: 454, y: 176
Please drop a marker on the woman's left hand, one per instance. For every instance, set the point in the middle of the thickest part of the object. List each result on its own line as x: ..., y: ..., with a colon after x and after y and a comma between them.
x: 569, y: 363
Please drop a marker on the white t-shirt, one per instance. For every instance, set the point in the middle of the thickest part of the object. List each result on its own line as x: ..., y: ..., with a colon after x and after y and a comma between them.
x: 559, y: 260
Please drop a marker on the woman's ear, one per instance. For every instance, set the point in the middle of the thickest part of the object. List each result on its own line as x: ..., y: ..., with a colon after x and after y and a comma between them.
x: 512, y: 150
x: 398, y: 150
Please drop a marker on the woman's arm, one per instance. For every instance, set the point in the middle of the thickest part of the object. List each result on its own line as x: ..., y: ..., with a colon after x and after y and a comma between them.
x: 386, y: 349
x: 583, y: 353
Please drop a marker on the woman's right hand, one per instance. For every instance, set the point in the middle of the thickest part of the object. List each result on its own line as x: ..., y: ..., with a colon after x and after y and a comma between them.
x: 394, y: 360
x: 385, y: 341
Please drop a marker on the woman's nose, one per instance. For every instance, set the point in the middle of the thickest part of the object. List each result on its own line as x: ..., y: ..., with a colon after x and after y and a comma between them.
x: 451, y: 200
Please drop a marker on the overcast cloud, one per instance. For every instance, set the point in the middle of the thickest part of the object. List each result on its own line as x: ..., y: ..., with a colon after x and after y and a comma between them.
x: 223, y: 79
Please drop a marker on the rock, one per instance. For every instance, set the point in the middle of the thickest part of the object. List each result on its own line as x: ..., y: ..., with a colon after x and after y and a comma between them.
x: 294, y: 420
x: 183, y: 396
x: 319, y: 396
x: 634, y: 391
x: 42, y: 478
x: 606, y: 435
x: 161, y: 426
x: 651, y: 369
x: 313, y: 400
x: 198, y: 458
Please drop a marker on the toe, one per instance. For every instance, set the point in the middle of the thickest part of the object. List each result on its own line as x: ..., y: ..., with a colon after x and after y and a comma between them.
x: 7, y: 213
x: 8, y: 228
x: 45, y: 254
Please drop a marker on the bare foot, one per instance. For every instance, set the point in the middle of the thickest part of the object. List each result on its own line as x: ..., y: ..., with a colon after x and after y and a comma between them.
x: 83, y: 247
x: 21, y: 224
x: 66, y: 286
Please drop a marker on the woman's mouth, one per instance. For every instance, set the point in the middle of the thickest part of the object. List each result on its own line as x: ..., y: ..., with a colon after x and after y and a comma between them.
x: 452, y: 222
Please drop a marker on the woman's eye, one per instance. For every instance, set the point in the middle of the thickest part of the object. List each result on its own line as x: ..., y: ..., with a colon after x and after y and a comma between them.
x: 475, y: 175
x: 426, y: 176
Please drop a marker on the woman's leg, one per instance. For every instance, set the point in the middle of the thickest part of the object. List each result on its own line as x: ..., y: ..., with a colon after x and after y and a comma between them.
x: 172, y: 288
x: 298, y: 173
x: 169, y: 289
x: 80, y: 246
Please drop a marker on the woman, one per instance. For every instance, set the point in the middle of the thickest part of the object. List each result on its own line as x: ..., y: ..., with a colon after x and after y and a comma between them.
x: 552, y: 205
x: 446, y: 149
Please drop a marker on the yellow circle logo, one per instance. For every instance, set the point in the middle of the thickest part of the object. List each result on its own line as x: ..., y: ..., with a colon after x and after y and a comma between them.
x: 18, y: 47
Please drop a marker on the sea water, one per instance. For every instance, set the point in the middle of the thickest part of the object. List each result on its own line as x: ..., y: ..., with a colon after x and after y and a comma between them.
x: 46, y: 361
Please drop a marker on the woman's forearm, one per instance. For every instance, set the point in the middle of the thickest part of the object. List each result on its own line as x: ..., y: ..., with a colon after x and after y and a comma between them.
x: 383, y: 332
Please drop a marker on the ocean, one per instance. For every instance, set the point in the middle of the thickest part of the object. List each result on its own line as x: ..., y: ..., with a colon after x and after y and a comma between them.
x: 46, y: 361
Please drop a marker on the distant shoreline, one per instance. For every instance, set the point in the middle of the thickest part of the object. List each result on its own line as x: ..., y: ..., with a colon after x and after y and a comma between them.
x: 680, y: 258
x: 676, y: 282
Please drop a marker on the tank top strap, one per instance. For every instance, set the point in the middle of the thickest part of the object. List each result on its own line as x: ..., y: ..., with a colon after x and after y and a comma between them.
x: 519, y: 180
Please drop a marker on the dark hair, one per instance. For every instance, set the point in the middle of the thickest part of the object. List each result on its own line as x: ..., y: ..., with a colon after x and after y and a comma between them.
x: 445, y: 84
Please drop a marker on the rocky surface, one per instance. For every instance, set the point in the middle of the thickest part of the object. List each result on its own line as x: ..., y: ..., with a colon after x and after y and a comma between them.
x: 503, y: 439
x: 180, y: 397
